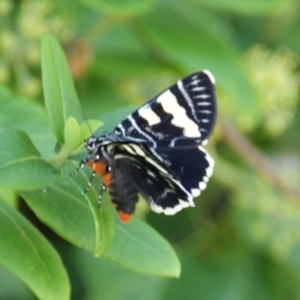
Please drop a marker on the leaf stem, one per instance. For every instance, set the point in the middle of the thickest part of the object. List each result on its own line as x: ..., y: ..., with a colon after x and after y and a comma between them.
x: 257, y: 160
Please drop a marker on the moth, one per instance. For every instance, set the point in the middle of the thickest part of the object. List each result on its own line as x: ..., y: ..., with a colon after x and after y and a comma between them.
x: 157, y: 151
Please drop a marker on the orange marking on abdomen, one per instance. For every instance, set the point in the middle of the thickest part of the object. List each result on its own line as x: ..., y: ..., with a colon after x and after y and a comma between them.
x: 90, y: 163
x: 124, y: 217
x: 98, y: 167
x: 107, y: 179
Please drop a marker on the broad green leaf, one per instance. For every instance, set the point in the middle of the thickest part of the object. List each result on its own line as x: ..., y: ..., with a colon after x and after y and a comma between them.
x: 21, y: 166
x: 10, y: 196
x: 102, y: 216
x: 140, y: 248
x: 131, y: 285
x: 248, y: 7
x: 59, y: 91
x: 75, y: 136
x: 29, y: 116
x: 72, y: 141
x: 121, y: 6
x: 72, y: 134
x: 71, y: 215
x: 25, y: 252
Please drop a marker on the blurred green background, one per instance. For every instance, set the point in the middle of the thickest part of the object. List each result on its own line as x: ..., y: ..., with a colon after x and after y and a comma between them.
x: 242, y: 241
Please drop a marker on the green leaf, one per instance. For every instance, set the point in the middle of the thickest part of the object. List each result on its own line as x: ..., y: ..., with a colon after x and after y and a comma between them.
x: 200, y: 48
x: 102, y: 216
x: 21, y: 166
x: 73, y: 216
x: 72, y: 134
x: 138, y: 247
x: 19, y: 113
x: 121, y: 6
x: 131, y: 285
x: 75, y: 136
x: 88, y: 128
x: 25, y: 252
x: 72, y: 140
x: 248, y: 7
x: 59, y: 91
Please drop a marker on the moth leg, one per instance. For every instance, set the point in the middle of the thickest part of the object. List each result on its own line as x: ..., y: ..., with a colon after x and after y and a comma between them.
x: 103, y: 188
x: 85, y: 161
x: 81, y: 165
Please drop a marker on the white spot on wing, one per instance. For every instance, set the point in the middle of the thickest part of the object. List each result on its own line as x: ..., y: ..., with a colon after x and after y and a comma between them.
x: 211, y: 163
x: 156, y: 208
x: 202, y: 185
x: 211, y: 76
x: 206, y: 111
x: 185, y: 204
x: 202, y: 96
x: 180, y: 118
x: 170, y: 210
x: 198, y: 88
x: 203, y: 103
x: 149, y: 115
x: 195, y: 192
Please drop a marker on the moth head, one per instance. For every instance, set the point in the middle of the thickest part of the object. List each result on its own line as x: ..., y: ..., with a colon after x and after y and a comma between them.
x: 91, y: 144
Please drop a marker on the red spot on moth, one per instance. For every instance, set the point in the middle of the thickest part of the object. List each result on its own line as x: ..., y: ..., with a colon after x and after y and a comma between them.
x: 98, y: 167
x: 124, y: 217
x: 107, y: 179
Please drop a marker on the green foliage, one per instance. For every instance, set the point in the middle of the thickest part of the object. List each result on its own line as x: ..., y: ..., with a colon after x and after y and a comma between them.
x: 241, y: 241
x: 29, y: 255
x: 60, y: 95
x: 244, y: 6
x: 276, y: 82
x: 119, y: 6
x: 74, y: 217
x: 267, y: 222
x: 138, y: 247
x: 21, y: 157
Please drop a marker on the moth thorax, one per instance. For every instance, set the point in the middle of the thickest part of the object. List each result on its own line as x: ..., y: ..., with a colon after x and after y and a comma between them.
x: 93, y: 143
